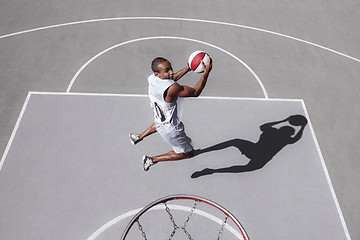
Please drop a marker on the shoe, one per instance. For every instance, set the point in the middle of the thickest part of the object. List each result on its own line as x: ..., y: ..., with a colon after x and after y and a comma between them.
x: 134, y: 138
x: 147, y: 162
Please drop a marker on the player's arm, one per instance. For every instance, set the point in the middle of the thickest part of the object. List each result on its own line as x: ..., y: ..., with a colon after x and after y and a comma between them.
x: 186, y: 91
x: 181, y: 73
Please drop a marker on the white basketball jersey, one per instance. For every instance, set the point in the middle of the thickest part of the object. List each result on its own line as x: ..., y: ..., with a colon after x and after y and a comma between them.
x: 163, y: 112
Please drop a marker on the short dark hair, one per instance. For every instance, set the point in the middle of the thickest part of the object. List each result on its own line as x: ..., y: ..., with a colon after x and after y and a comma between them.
x: 155, y: 63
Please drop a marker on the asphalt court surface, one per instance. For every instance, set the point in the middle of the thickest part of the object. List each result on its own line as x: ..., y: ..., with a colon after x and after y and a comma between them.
x: 71, y: 168
x: 46, y: 60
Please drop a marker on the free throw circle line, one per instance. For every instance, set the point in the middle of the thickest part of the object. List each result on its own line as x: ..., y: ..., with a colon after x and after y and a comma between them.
x: 166, y: 37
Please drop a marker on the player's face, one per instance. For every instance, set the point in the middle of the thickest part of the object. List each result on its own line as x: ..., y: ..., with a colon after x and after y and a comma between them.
x: 165, y: 71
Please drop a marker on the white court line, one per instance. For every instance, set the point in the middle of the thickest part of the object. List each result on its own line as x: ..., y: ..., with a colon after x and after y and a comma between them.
x: 346, y: 231
x: 114, y: 221
x: 145, y: 95
x: 89, y: 94
x: 182, y: 19
x: 14, y: 131
x: 327, y: 176
x: 165, y: 37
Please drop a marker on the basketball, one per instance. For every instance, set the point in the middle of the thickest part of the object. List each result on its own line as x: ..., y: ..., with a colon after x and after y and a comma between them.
x: 195, y: 60
x: 297, y: 120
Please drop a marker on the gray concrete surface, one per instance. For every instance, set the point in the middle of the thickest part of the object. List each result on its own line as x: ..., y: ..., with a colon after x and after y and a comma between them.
x: 47, y: 60
x: 72, y: 168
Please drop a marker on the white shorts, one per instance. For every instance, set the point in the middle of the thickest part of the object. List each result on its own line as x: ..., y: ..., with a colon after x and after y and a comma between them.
x: 175, y: 136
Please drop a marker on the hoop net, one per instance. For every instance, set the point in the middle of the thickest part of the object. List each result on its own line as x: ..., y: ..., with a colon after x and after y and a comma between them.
x: 184, y: 217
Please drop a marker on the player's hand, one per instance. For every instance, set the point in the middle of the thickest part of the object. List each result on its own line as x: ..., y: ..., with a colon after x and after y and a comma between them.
x: 207, y: 68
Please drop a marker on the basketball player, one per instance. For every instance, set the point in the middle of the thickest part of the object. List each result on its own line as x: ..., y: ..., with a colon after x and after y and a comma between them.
x: 163, y: 93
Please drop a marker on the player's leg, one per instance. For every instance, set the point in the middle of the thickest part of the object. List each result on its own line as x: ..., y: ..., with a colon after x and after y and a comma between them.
x: 135, y: 138
x: 170, y: 156
x: 180, y: 142
x: 148, y: 131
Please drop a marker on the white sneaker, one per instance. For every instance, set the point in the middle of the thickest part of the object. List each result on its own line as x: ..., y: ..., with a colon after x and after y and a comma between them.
x: 147, y: 162
x: 134, y: 138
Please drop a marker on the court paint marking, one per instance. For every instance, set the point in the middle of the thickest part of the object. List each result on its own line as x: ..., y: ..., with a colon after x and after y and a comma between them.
x: 89, y: 94
x: 322, y: 160
x: 114, y: 221
x: 7, y: 149
x: 182, y: 19
x: 165, y: 37
x: 218, y: 98
x: 146, y: 95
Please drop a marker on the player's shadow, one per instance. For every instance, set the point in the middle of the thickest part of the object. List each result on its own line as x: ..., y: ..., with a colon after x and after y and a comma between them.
x: 271, y: 141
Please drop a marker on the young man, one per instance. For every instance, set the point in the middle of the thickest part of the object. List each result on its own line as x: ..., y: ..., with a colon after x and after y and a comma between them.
x: 163, y: 93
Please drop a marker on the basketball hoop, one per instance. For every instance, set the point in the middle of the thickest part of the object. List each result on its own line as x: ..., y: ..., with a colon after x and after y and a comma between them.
x: 222, y: 221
